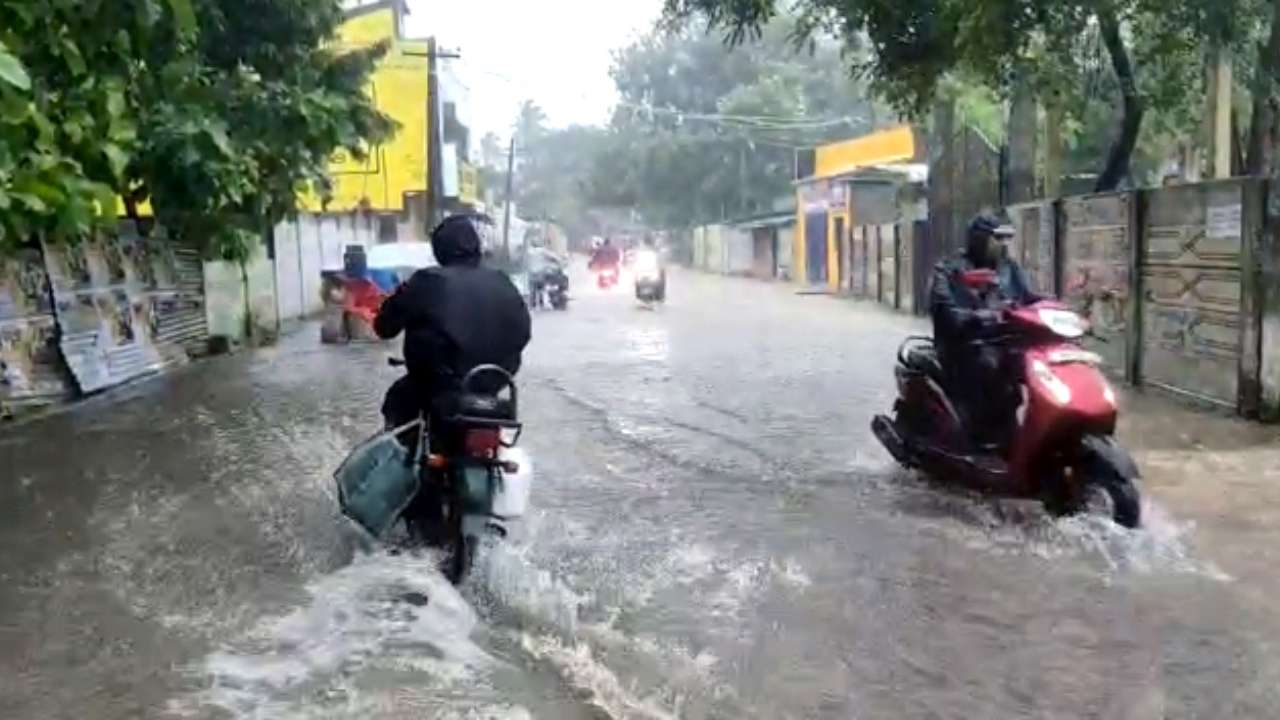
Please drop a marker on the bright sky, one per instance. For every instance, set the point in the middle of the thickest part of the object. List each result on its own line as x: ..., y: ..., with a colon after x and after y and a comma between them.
x: 554, y: 52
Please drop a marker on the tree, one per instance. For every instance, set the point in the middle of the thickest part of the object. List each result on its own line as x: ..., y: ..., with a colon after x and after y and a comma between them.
x: 66, y: 128
x: 216, y: 111
x: 916, y: 44
x: 703, y: 132
x: 252, y: 103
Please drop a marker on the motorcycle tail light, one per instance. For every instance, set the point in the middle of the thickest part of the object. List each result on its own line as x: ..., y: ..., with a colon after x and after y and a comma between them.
x: 483, y: 443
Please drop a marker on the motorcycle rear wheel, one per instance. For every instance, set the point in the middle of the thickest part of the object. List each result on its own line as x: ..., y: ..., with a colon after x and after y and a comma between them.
x: 461, y: 557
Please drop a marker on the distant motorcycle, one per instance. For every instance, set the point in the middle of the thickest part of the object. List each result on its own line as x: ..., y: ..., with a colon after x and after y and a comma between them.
x: 650, y: 278
x: 1063, y: 451
x: 552, y: 291
x: 455, y: 485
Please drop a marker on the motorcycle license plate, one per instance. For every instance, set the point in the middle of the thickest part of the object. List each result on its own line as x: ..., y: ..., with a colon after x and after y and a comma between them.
x: 474, y: 487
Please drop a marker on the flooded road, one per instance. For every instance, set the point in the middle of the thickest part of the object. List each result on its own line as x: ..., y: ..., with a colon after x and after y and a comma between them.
x: 716, y: 535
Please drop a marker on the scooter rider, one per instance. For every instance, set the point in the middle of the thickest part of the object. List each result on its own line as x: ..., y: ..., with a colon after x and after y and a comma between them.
x: 606, y: 257
x: 979, y: 374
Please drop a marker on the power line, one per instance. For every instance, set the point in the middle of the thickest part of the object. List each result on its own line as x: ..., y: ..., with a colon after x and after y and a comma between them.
x: 763, y: 122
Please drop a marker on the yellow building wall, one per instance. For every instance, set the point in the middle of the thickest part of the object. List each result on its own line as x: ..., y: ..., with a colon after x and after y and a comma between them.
x: 399, y: 89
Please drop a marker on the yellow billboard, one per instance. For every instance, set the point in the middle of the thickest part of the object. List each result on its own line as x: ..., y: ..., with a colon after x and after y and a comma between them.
x: 399, y: 89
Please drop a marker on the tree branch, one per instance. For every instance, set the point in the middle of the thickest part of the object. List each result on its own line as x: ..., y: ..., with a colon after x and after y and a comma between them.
x: 1263, y: 117
x: 1117, y: 167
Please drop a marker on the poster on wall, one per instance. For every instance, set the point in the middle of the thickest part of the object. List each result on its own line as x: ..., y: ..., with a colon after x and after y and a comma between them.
x: 31, y: 369
x: 102, y: 299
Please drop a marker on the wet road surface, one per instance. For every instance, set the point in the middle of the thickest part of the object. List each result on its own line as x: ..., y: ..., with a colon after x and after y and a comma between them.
x: 716, y: 535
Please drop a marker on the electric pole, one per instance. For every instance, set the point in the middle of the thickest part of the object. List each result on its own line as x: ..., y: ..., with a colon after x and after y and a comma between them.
x: 506, y: 214
x: 435, y: 135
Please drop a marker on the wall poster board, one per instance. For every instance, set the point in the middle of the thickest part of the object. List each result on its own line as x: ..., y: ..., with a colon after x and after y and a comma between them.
x: 31, y: 368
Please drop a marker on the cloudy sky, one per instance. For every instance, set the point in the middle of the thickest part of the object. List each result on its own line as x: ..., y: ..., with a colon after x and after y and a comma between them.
x: 554, y: 52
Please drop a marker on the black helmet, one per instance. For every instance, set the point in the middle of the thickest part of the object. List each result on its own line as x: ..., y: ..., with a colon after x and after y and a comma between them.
x: 983, y: 246
x: 456, y: 242
x: 984, y: 225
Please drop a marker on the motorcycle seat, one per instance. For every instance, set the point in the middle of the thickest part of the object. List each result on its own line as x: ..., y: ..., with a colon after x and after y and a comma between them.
x: 476, y: 408
x: 924, y: 360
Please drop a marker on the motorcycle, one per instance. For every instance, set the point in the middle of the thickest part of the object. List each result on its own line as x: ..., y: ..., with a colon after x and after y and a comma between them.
x: 607, y: 277
x: 553, y: 292
x: 651, y: 280
x: 1063, y: 451
x: 455, y: 483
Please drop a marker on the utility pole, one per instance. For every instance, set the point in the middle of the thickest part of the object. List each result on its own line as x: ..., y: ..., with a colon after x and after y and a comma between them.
x: 435, y: 135
x: 506, y: 214
x: 434, y: 179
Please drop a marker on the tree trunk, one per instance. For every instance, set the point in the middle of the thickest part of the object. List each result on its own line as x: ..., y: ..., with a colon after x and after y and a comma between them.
x: 1053, y: 147
x: 248, y: 306
x: 1117, y: 167
x: 1263, y: 119
x: 1022, y: 144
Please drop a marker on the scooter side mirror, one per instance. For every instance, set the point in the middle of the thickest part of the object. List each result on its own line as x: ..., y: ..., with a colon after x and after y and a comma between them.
x: 981, y: 279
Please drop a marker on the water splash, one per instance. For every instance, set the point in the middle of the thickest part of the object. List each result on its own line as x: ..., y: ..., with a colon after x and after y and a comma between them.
x: 356, y: 618
x: 577, y: 663
x: 1016, y: 527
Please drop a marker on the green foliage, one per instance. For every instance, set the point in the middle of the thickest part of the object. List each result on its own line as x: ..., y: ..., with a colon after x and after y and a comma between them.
x: 65, y: 127
x: 247, y: 117
x: 916, y: 45
x: 218, y: 112
x: 704, y: 132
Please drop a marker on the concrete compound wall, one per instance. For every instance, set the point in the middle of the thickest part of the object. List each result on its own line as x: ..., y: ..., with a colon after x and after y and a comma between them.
x: 1175, y: 282
x: 225, y: 298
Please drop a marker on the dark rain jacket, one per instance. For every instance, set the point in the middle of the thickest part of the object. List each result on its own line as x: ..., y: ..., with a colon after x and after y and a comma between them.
x: 957, y: 309
x: 454, y: 318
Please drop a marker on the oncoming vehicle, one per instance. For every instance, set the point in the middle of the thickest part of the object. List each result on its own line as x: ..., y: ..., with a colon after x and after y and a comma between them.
x: 650, y: 277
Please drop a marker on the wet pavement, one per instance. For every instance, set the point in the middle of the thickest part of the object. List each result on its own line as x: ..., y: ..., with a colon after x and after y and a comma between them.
x: 716, y: 535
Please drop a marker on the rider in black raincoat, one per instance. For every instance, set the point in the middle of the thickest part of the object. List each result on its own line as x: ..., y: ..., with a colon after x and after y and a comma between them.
x: 981, y: 376
x: 454, y: 317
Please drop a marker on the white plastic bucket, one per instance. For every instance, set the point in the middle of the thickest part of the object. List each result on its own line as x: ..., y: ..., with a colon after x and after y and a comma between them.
x: 512, y: 498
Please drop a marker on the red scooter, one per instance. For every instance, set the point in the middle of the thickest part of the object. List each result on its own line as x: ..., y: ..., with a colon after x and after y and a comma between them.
x: 1063, y: 450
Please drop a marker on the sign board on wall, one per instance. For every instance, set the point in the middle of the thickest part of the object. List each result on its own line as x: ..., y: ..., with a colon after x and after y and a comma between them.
x: 109, y: 296
x: 822, y: 195
x: 31, y: 369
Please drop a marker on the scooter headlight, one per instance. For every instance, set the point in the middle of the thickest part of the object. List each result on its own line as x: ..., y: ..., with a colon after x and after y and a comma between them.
x: 1057, y: 389
x: 1109, y: 394
x: 647, y: 266
x: 1064, y: 322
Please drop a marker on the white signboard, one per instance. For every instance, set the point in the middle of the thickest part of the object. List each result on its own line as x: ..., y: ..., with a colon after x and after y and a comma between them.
x: 1224, y: 221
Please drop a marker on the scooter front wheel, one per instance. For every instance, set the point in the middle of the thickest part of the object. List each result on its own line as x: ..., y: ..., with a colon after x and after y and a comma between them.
x: 1117, y: 498
x: 1103, y: 481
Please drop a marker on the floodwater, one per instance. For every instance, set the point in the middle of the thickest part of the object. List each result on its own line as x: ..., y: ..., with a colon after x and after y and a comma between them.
x: 715, y: 535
